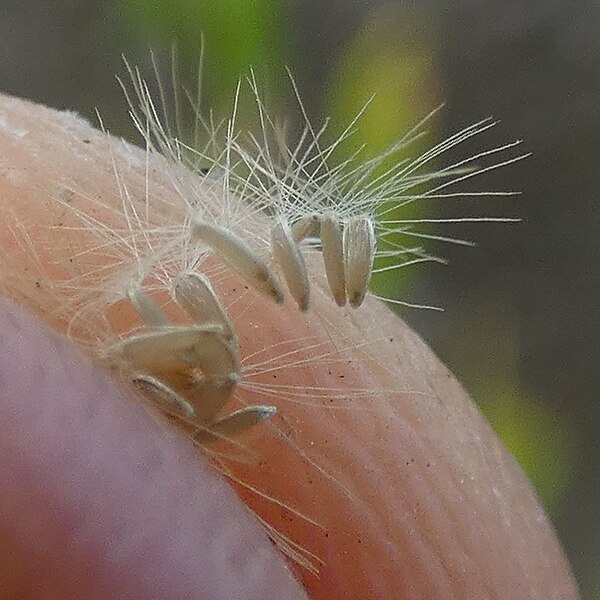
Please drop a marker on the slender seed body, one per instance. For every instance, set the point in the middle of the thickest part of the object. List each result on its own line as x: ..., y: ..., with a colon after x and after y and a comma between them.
x: 236, y: 253
x: 287, y: 254
x: 195, y: 294
x: 333, y: 256
x: 359, y: 252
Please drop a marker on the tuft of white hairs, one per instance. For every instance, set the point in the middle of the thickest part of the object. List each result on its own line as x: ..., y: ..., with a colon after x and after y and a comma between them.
x: 344, y: 210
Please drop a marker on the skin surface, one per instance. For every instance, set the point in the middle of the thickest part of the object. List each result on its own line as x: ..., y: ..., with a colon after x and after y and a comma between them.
x: 411, y: 493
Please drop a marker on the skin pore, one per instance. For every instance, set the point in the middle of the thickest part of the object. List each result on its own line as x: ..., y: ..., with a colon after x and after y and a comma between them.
x: 401, y: 488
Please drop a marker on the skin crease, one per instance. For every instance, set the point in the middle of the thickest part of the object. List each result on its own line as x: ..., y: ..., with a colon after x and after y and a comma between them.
x: 412, y: 494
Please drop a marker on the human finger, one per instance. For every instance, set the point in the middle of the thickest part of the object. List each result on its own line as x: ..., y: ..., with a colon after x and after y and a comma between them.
x: 403, y: 491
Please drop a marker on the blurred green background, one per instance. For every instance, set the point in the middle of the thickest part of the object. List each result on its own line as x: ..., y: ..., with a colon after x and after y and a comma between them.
x: 520, y: 326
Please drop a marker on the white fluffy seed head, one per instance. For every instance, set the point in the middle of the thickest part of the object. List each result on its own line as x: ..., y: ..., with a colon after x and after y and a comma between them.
x: 233, y: 203
x: 301, y: 184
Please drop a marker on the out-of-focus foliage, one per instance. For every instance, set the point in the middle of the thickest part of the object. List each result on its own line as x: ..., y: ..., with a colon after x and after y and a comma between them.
x: 237, y: 34
x: 395, y: 67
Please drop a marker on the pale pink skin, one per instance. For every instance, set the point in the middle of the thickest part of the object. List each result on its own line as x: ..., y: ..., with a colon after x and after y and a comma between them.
x: 434, y: 507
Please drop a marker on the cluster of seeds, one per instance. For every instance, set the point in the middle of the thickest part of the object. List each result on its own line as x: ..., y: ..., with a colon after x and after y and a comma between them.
x: 189, y: 370
x: 348, y: 252
x: 150, y: 282
x: 255, y: 212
